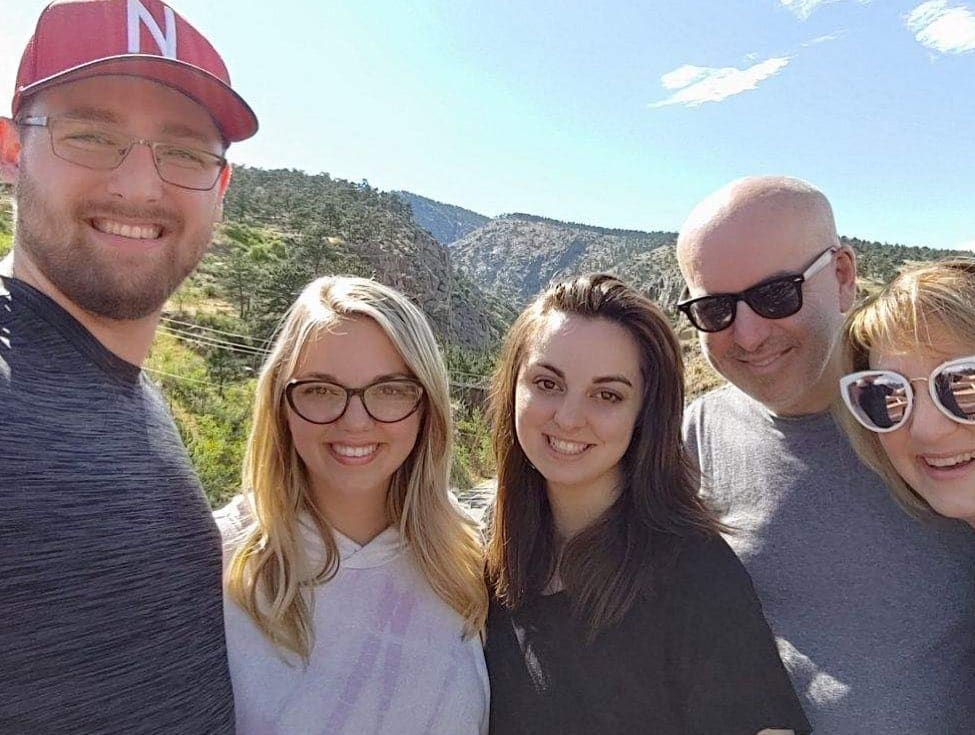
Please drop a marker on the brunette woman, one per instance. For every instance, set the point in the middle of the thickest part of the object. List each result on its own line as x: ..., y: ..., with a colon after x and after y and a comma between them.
x: 617, y: 607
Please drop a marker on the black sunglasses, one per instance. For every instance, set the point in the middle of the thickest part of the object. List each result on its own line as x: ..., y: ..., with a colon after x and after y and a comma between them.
x: 775, y: 298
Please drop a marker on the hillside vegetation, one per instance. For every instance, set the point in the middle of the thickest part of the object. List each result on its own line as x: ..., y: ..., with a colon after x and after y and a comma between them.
x: 520, y: 255
x: 283, y: 228
x: 6, y: 220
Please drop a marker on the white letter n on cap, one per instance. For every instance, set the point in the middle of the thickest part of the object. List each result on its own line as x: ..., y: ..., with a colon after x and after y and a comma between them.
x: 166, y: 43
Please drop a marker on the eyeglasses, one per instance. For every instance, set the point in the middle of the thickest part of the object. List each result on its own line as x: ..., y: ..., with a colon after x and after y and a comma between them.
x: 386, y: 401
x: 881, y: 400
x: 101, y: 148
x: 775, y: 298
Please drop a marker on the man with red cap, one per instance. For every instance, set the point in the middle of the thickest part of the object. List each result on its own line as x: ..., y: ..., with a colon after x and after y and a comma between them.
x: 110, y: 592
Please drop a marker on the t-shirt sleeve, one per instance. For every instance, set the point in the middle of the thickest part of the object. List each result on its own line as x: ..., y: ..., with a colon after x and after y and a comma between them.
x: 733, y: 679
x: 690, y: 423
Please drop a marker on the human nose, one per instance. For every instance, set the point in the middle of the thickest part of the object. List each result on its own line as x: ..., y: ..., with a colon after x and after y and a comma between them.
x: 928, y: 424
x: 136, y: 177
x: 356, y: 418
x: 570, y: 413
x: 750, y: 329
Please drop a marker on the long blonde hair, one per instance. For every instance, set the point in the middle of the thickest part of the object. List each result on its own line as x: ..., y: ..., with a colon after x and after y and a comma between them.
x: 267, y: 576
x: 925, y: 301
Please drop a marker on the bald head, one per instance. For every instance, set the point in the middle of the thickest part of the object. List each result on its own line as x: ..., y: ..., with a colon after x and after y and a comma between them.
x: 757, y: 204
x: 751, y: 232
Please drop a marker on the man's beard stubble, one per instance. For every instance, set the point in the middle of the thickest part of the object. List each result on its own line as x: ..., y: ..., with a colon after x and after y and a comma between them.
x: 89, y: 278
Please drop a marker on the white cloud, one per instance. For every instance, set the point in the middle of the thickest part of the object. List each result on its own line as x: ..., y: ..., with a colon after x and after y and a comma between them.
x: 804, y: 8
x: 944, y: 27
x: 683, y: 76
x: 700, y: 84
x: 970, y: 245
x: 823, y: 39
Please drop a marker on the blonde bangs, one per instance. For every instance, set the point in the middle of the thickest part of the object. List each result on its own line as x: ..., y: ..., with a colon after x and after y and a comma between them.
x: 920, y: 309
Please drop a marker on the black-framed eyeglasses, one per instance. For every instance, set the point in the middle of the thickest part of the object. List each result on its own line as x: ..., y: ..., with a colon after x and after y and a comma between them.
x: 386, y: 401
x: 776, y: 298
x: 882, y: 400
x: 98, y: 147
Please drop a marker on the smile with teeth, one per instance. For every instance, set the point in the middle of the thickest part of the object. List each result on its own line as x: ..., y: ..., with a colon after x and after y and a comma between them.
x: 134, y: 232
x: 947, y: 462
x: 564, y: 447
x: 348, y: 451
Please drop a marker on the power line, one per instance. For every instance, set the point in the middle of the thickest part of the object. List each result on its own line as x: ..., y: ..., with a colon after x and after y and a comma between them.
x: 206, y: 341
x: 177, y: 377
x: 206, y: 328
x: 203, y: 342
x: 236, y: 348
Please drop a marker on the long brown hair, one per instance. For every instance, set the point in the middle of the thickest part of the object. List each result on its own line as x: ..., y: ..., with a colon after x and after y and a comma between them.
x: 608, y: 565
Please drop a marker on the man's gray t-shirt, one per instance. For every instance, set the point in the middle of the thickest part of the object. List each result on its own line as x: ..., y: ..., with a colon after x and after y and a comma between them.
x: 874, y: 611
x: 111, y: 618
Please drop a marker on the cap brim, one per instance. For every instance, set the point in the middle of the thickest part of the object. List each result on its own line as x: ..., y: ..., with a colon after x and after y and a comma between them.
x: 232, y: 115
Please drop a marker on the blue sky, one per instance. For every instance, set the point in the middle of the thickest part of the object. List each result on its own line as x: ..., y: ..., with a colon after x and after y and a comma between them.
x: 619, y: 114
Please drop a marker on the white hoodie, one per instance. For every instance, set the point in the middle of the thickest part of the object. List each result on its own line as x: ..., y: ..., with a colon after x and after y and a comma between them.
x: 389, y: 655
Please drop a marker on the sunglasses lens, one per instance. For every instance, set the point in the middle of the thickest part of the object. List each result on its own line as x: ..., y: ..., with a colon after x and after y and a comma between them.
x: 775, y: 299
x: 712, y: 313
x: 954, y: 386
x: 879, y: 400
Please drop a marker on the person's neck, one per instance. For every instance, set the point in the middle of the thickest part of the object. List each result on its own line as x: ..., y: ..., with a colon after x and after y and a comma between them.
x: 575, y: 507
x: 360, y: 518
x: 130, y: 339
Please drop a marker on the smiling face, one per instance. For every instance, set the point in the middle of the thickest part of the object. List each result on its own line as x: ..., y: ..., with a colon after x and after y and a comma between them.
x: 577, y: 398
x: 932, y: 453
x: 116, y: 243
x: 352, y: 460
x: 786, y: 364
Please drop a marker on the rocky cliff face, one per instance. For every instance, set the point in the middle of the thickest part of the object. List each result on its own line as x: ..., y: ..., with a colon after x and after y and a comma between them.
x: 519, y: 255
x: 446, y: 222
x: 354, y: 228
x: 416, y: 264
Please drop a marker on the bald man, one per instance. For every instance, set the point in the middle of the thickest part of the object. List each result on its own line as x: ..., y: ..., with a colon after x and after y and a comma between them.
x: 873, y: 611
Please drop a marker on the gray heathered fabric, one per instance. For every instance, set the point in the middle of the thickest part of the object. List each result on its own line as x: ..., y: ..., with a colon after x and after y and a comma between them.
x: 111, y: 618
x: 874, y: 611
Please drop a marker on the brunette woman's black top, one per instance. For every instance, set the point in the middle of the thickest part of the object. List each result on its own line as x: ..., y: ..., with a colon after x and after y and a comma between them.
x: 692, y: 657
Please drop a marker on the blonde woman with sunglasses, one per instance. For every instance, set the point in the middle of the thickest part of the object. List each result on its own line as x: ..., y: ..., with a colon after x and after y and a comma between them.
x: 909, y: 394
x: 354, y: 588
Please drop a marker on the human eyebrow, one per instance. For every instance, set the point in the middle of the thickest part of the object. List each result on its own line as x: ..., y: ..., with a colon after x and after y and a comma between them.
x: 329, y: 378
x: 92, y: 114
x: 181, y: 130
x: 612, y: 379
x: 551, y: 369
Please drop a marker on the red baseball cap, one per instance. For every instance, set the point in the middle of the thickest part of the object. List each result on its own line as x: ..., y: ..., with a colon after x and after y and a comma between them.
x: 75, y: 39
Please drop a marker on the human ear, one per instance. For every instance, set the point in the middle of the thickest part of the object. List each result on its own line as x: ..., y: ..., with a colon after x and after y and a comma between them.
x: 222, y: 184
x: 224, y: 181
x: 846, y: 276
x: 9, y: 151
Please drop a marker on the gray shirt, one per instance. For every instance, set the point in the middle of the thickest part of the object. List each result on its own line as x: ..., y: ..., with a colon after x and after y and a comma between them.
x: 110, y: 599
x: 874, y: 611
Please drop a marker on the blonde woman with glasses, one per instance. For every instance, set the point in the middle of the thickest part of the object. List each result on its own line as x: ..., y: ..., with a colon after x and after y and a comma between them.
x: 354, y: 586
x: 909, y: 395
